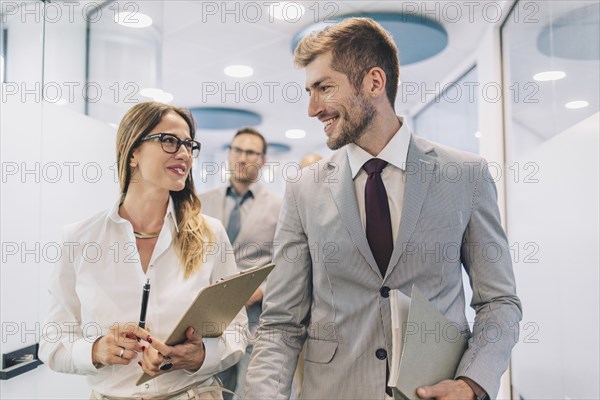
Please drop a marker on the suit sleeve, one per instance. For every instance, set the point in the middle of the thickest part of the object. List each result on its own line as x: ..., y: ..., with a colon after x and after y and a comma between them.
x: 276, y: 207
x: 286, y: 308
x: 485, y: 256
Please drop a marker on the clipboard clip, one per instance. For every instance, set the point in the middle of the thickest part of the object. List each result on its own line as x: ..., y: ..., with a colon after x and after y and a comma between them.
x: 246, y: 271
x: 251, y: 269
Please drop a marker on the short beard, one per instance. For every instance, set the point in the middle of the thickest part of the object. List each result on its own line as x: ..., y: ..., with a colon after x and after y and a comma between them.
x: 354, y: 126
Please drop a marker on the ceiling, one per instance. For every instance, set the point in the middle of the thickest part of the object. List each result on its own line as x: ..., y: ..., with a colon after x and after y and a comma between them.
x: 190, y: 43
x: 197, y: 40
x: 564, y: 37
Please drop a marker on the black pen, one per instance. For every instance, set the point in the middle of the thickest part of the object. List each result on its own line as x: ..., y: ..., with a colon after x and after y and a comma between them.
x: 145, y: 295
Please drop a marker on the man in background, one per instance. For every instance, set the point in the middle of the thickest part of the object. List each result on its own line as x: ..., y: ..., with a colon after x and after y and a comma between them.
x: 249, y: 213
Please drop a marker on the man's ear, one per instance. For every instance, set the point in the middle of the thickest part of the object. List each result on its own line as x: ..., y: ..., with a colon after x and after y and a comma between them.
x: 374, y: 82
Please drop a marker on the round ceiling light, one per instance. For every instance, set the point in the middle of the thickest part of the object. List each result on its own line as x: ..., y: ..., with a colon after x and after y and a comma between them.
x: 295, y: 134
x: 157, y: 94
x: 136, y: 20
x: 238, y: 71
x: 150, y: 92
x: 286, y: 10
x: 549, y: 76
x: 164, y: 97
x: 418, y: 38
x: 573, y: 35
x: 224, y: 118
x: 575, y: 105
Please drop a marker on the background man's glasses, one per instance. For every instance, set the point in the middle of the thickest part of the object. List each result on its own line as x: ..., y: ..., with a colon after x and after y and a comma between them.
x: 170, y: 143
x: 250, y: 154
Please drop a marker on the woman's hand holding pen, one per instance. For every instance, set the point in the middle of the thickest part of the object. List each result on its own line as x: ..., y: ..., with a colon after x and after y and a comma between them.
x: 188, y: 355
x: 119, y: 345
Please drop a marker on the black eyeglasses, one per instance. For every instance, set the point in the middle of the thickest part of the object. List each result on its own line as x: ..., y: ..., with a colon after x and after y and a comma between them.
x: 250, y: 154
x: 170, y: 143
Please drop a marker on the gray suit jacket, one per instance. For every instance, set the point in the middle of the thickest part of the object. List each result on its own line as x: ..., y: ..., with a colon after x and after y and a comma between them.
x: 326, y: 274
x: 254, y: 244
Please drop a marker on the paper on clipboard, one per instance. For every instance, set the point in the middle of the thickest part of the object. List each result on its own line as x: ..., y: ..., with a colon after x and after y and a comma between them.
x: 216, y: 306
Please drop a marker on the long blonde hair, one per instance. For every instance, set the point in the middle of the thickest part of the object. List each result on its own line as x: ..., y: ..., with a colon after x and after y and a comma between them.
x: 193, y: 230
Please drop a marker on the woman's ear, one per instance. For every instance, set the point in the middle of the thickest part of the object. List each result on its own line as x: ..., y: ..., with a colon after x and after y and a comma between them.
x: 133, y: 160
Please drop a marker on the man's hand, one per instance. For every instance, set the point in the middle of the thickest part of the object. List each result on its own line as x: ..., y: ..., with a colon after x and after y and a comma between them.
x: 255, y: 298
x: 447, y: 390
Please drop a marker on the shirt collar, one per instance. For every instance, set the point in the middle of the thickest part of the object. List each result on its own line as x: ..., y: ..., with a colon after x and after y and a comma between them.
x: 395, y: 152
x: 170, y: 216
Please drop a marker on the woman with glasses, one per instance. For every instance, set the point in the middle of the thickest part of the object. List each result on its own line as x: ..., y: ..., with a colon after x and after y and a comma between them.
x: 156, y: 234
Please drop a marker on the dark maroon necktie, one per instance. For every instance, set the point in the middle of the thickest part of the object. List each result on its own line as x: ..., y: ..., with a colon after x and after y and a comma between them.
x: 377, y: 209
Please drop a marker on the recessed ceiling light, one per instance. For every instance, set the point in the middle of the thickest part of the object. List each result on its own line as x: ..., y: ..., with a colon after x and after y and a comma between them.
x: 151, y: 92
x: 549, y: 76
x: 295, y: 134
x: 477, y: 134
x: 133, y: 20
x: 164, y: 97
x: 239, y: 71
x: 157, y: 95
x: 286, y: 10
x: 574, y: 105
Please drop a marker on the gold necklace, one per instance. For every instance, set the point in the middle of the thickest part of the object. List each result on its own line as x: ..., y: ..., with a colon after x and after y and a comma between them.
x: 146, y: 235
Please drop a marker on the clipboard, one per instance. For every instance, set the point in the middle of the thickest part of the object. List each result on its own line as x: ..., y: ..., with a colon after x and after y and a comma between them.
x: 216, y: 306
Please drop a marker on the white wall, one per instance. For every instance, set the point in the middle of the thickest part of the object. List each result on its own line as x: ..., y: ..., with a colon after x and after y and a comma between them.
x: 76, y: 178
x: 557, y: 355
x: 57, y: 168
x: 552, y: 204
x: 20, y: 148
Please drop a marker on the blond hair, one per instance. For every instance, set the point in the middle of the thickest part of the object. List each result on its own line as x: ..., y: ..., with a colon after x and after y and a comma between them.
x: 356, y: 45
x: 193, y: 230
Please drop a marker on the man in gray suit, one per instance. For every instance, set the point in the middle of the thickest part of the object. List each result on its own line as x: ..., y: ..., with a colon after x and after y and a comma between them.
x: 384, y: 212
x: 249, y: 212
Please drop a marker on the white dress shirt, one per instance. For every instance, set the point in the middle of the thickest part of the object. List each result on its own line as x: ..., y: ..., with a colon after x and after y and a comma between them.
x: 394, y: 153
x: 98, y: 282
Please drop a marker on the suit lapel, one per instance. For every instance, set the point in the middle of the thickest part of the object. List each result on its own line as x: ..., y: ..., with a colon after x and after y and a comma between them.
x: 419, y: 172
x: 339, y: 178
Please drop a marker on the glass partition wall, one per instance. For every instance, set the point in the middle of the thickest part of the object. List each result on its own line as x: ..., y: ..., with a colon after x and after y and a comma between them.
x: 452, y: 118
x: 550, y: 55
x: 21, y: 75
